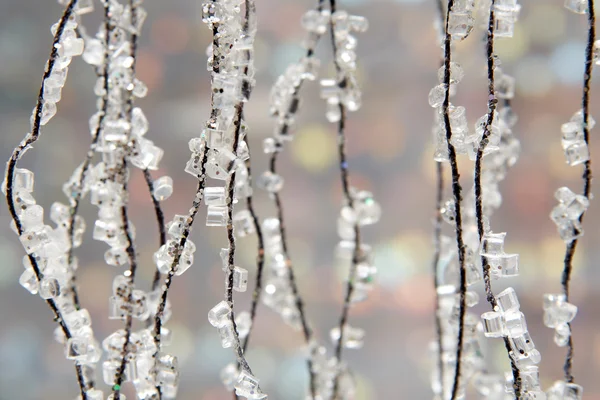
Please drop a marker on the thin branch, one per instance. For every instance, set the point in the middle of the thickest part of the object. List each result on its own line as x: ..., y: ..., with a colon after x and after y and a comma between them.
x: 284, y: 127
x: 587, y: 173
x: 126, y: 225
x: 12, y: 164
x: 160, y: 221
x: 357, y: 254
x: 76, y: 201
x: 492, y: 102
x: 456, y: 191
x: 230, y: 190
x: 260, y: 258
x: 196, y: 203
x: 131, y: 275
x: 169, y: 278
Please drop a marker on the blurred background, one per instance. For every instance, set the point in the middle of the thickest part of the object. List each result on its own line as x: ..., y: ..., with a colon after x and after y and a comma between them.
x: 389, y: 153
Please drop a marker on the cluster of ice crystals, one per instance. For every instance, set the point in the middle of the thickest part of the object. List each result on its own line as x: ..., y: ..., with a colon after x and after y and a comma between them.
x: 461, y: 139
x: 508, y: 321
x: 460, y: 19
x: 577, y: 6
x: 353, y: 337
x: 449, y: 304
x: 501, y: 264
x: 244, y: 383
x: 562, y: 390
x: 464, y: 141
x: 558, y: 313
x: 278, y: 293
x: 67, y: 47
x: 506, y: 13
x: 567, y: 213
x: 171, y: 255
x: 573, y: 140
x: 364, y: 210
x: 343, y: 89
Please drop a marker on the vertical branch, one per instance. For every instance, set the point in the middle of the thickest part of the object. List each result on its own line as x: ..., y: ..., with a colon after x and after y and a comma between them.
x: 35, y: 132
x: 456, y: 191
x: 289, y: 88
x: 357, y: 253
x: 587, y: 174
x: 260, y: 257
x: 130, y: 250
x: 492, y: 102
x: 292, y: 280
x: 10, y: 172
x: 160, y: 221
x: 230, y: 189
x: 76, y: 200
x: 360, y: 207
x: 131, y: 275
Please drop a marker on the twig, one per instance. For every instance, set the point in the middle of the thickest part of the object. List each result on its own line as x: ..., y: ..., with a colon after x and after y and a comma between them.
x: 283, y: 128
x: 357, y: 254
x: 90, y: 154
x: 456, y: 191
x: 260, y: 259
x: 12, y: 164
x: 126, y: 226
x: 160, y: 221
x: 230, y: 189
x: 492, y: 102
x: 587, y: 174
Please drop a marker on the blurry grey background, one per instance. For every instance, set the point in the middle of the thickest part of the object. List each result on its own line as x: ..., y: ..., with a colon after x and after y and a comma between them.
x: 389, y: 152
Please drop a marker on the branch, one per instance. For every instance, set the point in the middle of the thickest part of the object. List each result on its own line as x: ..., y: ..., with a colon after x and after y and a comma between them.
x: 456, y: 191
x: 12, y: 164
x: 587, y: 174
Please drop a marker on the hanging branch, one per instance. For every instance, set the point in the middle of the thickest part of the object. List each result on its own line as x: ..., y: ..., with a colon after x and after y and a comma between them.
x: 212, y: 156
x: 357, y: 253
x: 229, y: 189
x: 285, y: 103
x: 160, y: 221
x: 568, y: 214
x: 35, y: 133
x: 359, y: 208
x: 131, y: 255
x: 492, y: 102
x: 78, y: 188
x: 456, y: 191
x: 260, y: 258
x: 131, y: 277
x: 587, y: 174
x: 50, y: 289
